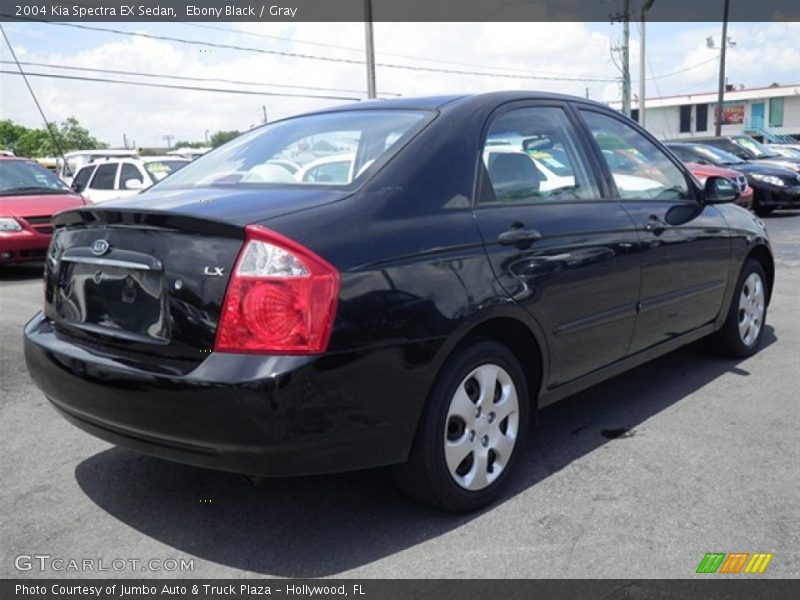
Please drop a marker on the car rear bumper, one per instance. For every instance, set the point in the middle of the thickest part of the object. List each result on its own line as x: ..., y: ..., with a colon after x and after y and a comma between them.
x: 23, y: 246
x: 264, y: 415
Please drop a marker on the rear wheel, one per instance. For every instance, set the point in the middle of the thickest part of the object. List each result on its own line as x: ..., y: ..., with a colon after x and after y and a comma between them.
x: 473, y: 429
x: 743, y: 330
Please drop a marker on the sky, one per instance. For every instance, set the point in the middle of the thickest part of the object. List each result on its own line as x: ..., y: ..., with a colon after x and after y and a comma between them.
x: 577, y: 55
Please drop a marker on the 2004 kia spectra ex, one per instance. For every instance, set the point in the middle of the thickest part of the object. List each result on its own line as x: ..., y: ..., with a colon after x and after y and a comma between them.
x: 391, y: 283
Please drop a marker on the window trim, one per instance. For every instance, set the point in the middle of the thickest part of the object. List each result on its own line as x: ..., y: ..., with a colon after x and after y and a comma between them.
x: 693, y: 190
x: 481, y: 177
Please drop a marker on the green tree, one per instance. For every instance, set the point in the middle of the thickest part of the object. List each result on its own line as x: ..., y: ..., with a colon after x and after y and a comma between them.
x: 33, y: 143
x: 184, y: 144
x: 25, y: 141
x: 223, y: 137
x: 10, y: 132
x: 72, y: 136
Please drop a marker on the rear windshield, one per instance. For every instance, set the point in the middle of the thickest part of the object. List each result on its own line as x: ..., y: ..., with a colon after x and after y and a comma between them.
x: 717, y: 156
x: 755, y: 148
x: 159, y: 169
x: 331, y: 149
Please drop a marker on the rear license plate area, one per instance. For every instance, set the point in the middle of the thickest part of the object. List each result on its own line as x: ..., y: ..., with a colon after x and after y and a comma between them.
x: 117, y: 301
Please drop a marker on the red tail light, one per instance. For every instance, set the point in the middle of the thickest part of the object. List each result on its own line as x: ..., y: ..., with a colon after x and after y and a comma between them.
x: 281, y: 298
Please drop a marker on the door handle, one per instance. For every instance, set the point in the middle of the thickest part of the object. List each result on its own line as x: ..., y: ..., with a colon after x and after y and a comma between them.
x: 519, y: 237
x: 655, y: 225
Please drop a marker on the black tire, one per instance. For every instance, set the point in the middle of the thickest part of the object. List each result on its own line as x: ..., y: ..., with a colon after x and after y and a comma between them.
x: 728, y: 340
x: 763, y: 211
x: 426, y: 476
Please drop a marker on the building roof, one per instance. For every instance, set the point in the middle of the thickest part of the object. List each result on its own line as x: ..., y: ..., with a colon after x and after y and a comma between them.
x: 711, y: 97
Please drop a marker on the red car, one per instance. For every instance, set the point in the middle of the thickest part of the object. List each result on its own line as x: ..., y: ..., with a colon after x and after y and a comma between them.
x: 702, y: 172
x: 29, y: 197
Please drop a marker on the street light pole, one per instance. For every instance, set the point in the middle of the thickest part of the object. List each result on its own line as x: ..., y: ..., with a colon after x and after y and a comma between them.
x: 721, y: 95
x: 370, y: 48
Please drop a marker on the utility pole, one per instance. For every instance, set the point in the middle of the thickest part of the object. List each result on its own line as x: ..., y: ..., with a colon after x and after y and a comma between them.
x: 264, y: 109
x: 626, y: 59
x: 642, y: 57
x: 721, y: 95
x: 168, y: 138
x: 370, y: 48
x: 625, y: 68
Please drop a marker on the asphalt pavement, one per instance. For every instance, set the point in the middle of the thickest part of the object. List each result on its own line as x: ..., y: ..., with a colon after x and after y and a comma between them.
x: 637, y: 477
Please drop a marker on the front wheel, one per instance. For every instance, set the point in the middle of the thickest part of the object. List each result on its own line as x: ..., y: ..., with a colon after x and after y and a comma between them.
x: 743, y: 330
x: 473, y: 429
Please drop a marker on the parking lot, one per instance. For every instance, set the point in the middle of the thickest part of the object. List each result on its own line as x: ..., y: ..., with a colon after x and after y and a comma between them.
x: 637, y: 477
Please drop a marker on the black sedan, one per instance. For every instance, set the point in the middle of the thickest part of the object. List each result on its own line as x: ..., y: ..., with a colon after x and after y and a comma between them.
x: 773, y: 186
x: 450, y: 266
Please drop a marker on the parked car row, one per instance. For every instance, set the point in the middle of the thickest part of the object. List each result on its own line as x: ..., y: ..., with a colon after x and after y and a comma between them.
x: 774, y: 185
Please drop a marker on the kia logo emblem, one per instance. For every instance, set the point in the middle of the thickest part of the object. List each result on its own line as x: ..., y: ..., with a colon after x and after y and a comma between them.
x: 100, y: 247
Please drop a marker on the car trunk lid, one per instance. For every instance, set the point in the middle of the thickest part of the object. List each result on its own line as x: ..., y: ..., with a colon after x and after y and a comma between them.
x: 138, y: 281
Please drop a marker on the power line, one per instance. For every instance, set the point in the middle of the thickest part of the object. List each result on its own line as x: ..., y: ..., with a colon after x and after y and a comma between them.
x: 305, y: 56
x: 679, y: 71
x: 361, y: 51
x: 184, y: 77
x: 338, y: 60
x: 47, y: 123
x: 176, y: 87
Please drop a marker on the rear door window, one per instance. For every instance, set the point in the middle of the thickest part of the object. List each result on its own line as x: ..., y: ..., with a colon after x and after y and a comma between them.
x: 82, y: 178
x: 105, y: 177
x: 532, y: 154
x: 129, y: 172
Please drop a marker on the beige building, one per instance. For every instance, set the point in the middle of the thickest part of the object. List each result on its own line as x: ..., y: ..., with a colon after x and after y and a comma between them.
x: 768, y: 114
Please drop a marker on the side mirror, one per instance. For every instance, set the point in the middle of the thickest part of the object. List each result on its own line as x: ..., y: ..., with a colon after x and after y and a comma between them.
x: 133, y: 184
x: 78, y: 188
x: 719, y: 190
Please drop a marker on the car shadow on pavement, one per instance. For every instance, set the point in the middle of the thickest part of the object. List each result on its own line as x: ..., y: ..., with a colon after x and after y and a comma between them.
x: 21, y: 272
x: 782, y: 214
x: 322, y: 526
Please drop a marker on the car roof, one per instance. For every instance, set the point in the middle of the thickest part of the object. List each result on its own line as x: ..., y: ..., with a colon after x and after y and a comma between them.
x: 452, y: 100
x: 163, y: 157
x: 104, y: 152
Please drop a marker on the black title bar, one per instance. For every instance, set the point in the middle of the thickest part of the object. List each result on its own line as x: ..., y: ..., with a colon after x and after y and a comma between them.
x: 397, y: 10
x: 397, y: 589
